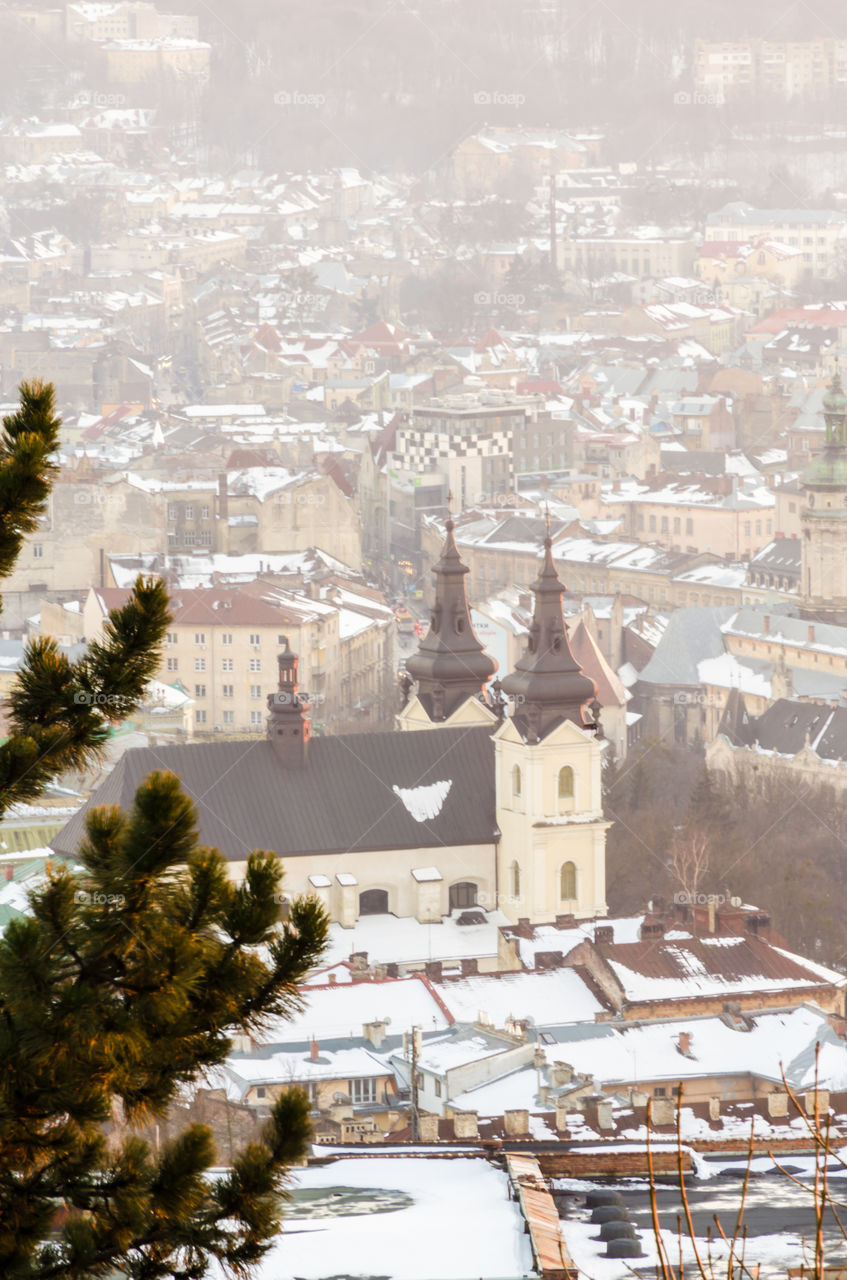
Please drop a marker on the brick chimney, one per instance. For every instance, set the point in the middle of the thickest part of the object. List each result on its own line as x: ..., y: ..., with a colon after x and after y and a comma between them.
x: 314, y: 1050
x: 470, y: 966
x: 766, y: 622
x: 604, y: 933
x: 811, y: 635
x: 683, y: 1042
x: 432, y: 969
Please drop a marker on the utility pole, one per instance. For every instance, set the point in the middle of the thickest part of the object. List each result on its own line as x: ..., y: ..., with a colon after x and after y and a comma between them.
x: 414, y: 1050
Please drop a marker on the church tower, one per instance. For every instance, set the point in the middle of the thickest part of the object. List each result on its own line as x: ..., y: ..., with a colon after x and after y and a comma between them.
x: 451, y: 667
x: 552, y: 851
x: 823, y: 517
x: 288, y: 728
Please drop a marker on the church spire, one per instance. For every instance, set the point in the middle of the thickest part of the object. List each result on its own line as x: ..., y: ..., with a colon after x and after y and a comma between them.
x: 548, y: 685
x: 450, y: 665
x: 828, y: 470
x: 288, y: 722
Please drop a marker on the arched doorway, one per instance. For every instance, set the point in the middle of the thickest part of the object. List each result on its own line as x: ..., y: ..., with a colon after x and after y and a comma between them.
x: 373, y: 902
x: 463, y: 895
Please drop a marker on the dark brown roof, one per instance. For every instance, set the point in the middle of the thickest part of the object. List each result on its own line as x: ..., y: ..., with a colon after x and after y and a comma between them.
x: 344, y: 800
x: 693, y: 961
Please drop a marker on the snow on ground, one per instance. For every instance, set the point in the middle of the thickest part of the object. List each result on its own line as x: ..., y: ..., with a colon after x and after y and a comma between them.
x: 461, y: 1225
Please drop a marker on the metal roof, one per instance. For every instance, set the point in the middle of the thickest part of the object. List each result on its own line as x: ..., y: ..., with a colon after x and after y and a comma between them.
x: 356, y: 792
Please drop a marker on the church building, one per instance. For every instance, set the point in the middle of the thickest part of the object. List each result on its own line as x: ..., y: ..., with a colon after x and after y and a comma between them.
x: 487, y: 795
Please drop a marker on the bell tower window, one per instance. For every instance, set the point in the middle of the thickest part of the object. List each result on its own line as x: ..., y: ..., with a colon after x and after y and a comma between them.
x: 567, y: 882
x: 517, y: 782
x: 566, y: 782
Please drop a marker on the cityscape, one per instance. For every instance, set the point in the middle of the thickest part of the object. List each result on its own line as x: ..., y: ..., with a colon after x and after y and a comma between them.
x: 423, y: 651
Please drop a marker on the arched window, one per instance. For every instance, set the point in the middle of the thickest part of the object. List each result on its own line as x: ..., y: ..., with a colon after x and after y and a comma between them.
x: 516, y: 880
x: 463, y: 894
x: 516, y: 780
x: 373, y: 902
x: 566, y: 782
x: 567, y: 882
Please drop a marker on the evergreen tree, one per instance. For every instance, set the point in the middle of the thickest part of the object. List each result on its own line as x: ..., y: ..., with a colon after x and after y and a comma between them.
x: 60, y: 712
x: 115, y: 993
x: 126, y: 982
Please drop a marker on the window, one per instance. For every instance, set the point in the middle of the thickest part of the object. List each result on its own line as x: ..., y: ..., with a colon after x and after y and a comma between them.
x: 516, y: 780
x: 652, y: 524
x: 566, y: 782
x: 255, y: 664
x: 689, y: 526
x: 261, y: 1091
x: 199, y: 691
x: 172, y: 511
x: 677, y: 524
x: 189, y: 511
x: 226, y: 638
x: 229, y: 717
x: 199, y: 637
x: 37, y: 551
x: 188, y: 538
x: 172, y: 540
x: 516, y: 880
x: 463, y: 895
x: 567, y: 882
x: 665, y: 524
x: 747, y: 528
x: 199, y: 664
x: 255, y: 638
x: 436, y: 1088
x: 173, y: 664
x: 373, y: 902
x: 255, y: 691
x: 362, y: 1091
x: 199, y: 717
x: 255, y: 717
x: 205, y: 538
x: 283, y: 640
x: 229, y: 691
x: 171, y: 638
x: 204, y: 513
x: 227, y: 664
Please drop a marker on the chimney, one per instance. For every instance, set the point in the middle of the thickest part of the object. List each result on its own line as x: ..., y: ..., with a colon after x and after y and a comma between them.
x: 470, y: 966
x: 604, y: 933
x: 374, y: 1032
x: 314, y: 1050
x: 432, y: 969
x: 566, y: 922
x: 683, y: 1042
x: 767, y: 623
x: 811, y: 635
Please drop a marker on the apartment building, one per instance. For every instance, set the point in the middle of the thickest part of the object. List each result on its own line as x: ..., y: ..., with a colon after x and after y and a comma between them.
x: 786, y: 68
x: 223, y: 643
x: 819, y: 234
